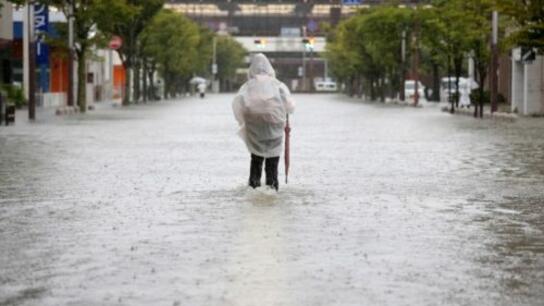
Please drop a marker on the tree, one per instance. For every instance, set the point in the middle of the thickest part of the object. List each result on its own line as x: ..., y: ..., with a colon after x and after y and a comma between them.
x: 478, y: 14
x: 127, y: 19
x: 202, y: 64
x: 230, y: 56
x: 342, y: 53
x: 365, y: 49
x: 84, y: 16
x: 172, y: 41
x: 529, y: 22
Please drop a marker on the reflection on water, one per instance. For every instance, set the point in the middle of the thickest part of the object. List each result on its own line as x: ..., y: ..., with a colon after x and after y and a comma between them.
x: 385, y: 206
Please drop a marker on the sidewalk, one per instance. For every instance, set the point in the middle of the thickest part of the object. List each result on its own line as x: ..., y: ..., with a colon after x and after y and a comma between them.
x: 499, y: 115
x: 55, y: 114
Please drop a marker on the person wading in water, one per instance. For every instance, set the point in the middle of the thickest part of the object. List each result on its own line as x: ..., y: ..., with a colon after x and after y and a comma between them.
x: 261, y: 107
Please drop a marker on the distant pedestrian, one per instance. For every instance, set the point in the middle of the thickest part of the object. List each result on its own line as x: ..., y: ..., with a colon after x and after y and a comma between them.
x: 261, y: 107
x: 464, y: 92
x: 202, y: 89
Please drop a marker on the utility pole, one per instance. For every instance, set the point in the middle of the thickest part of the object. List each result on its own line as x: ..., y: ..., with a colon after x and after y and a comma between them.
x: 416, y: 63
x: 493, y: 79
x: 311, y: 71
x: 70, y: 91
x: 304, y: 69
x: 31, y: 63
x: 215, y: 88
x: 402, y: 72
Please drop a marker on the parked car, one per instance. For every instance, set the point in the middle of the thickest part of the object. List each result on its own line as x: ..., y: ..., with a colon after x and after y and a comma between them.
x: 325, y: 86
x: 410, y: 89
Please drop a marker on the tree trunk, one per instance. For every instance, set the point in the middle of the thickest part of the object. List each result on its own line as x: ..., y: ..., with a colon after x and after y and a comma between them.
x: 136, y: 80
x: 481, y: 88
x: 359, y: 87
x: 402, y: 80
x: 452, y: 109
x: 166, y: 86
x: 381, y: 83
x: 152, y: 83
x: 436, y: 83
x: 144, y: 75
x: 372, y: 89
x: 352, y: 86
x: 82, y: 82
x: 458, y: 66
x: 128, y: 80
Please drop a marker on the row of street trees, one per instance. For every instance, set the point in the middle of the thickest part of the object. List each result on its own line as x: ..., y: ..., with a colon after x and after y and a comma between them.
x: 154, y: 39
x: 366, y: 50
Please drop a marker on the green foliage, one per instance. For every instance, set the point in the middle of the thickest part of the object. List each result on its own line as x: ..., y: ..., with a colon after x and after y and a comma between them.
x: 230, y: 56
x: 367, y: 46
x: 172, y: 40
x: 14, y: 95
x: 126, y: 19
x: 205, y: 52
x: 528, y: 17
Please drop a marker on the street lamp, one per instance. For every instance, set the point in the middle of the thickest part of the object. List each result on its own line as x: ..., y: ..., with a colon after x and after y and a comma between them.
x: 309, y: 44
x: 31, y: 62
x: 494, y: 62
x: 70, y: 91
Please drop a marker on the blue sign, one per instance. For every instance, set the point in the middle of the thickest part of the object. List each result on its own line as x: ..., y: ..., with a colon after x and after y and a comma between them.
x: 312, y: 26
x: 351, y: 2
x: 41, y: 27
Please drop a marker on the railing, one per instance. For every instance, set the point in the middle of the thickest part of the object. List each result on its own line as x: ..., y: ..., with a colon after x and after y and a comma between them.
x: 51, y: 99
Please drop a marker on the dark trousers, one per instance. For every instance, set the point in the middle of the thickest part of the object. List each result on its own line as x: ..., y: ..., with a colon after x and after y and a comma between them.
x: 271, y: 170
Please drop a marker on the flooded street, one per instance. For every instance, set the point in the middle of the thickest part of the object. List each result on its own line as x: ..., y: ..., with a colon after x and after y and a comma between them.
x: 385, y: 205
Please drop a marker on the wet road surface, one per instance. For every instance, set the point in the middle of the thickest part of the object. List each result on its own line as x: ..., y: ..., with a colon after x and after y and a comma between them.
x: 385, y: 205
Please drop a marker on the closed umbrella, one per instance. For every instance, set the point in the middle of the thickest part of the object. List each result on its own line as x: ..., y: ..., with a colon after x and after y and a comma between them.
x: 287, y: 157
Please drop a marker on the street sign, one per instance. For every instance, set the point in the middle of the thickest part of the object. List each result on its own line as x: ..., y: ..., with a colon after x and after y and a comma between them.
x: 214, y: 68
x: 116, y: 42
x: 351, y: 2
x: 528, y: 55
x: 41, y: 26
x: 312, y: 26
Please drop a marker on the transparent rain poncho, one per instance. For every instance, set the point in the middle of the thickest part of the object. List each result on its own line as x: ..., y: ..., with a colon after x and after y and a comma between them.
x: 261, y: 107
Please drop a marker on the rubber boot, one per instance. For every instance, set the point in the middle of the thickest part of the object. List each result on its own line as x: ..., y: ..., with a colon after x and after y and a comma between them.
x: 255, y: 171
x: 271, y: 169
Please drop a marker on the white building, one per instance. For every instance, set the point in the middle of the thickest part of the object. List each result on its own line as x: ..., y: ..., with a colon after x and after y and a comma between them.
x: 527, y: 85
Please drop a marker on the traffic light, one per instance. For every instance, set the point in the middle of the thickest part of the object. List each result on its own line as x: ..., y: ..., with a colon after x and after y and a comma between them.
x: 309, y: 43
x: 261, y: 42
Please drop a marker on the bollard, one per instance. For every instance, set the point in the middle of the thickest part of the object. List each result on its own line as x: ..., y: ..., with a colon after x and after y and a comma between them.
x: 1, y: 109
x: 10, y: 114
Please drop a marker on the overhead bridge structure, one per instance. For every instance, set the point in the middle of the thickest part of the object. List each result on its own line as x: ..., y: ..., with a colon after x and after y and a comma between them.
x: 290, y: 33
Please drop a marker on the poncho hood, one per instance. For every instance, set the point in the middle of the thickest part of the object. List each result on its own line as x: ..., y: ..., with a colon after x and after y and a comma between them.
x: 260, y: 65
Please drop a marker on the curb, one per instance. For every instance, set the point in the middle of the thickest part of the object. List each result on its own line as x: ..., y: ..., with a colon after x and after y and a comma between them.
x: 401, y: 103
x: 66, y: 110
x: 487, y: 115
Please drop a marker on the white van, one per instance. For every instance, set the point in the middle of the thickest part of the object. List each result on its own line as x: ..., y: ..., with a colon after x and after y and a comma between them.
x: 410, y: 89
x: 448, y: 90
x: 325, y: 86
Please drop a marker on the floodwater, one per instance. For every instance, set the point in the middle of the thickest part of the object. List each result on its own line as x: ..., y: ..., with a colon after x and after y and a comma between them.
x: 385, y: 205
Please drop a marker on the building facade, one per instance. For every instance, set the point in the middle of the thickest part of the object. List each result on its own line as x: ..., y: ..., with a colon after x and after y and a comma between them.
x: 6, y: 42
x: 277, y: 28
x: 527, y: 92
